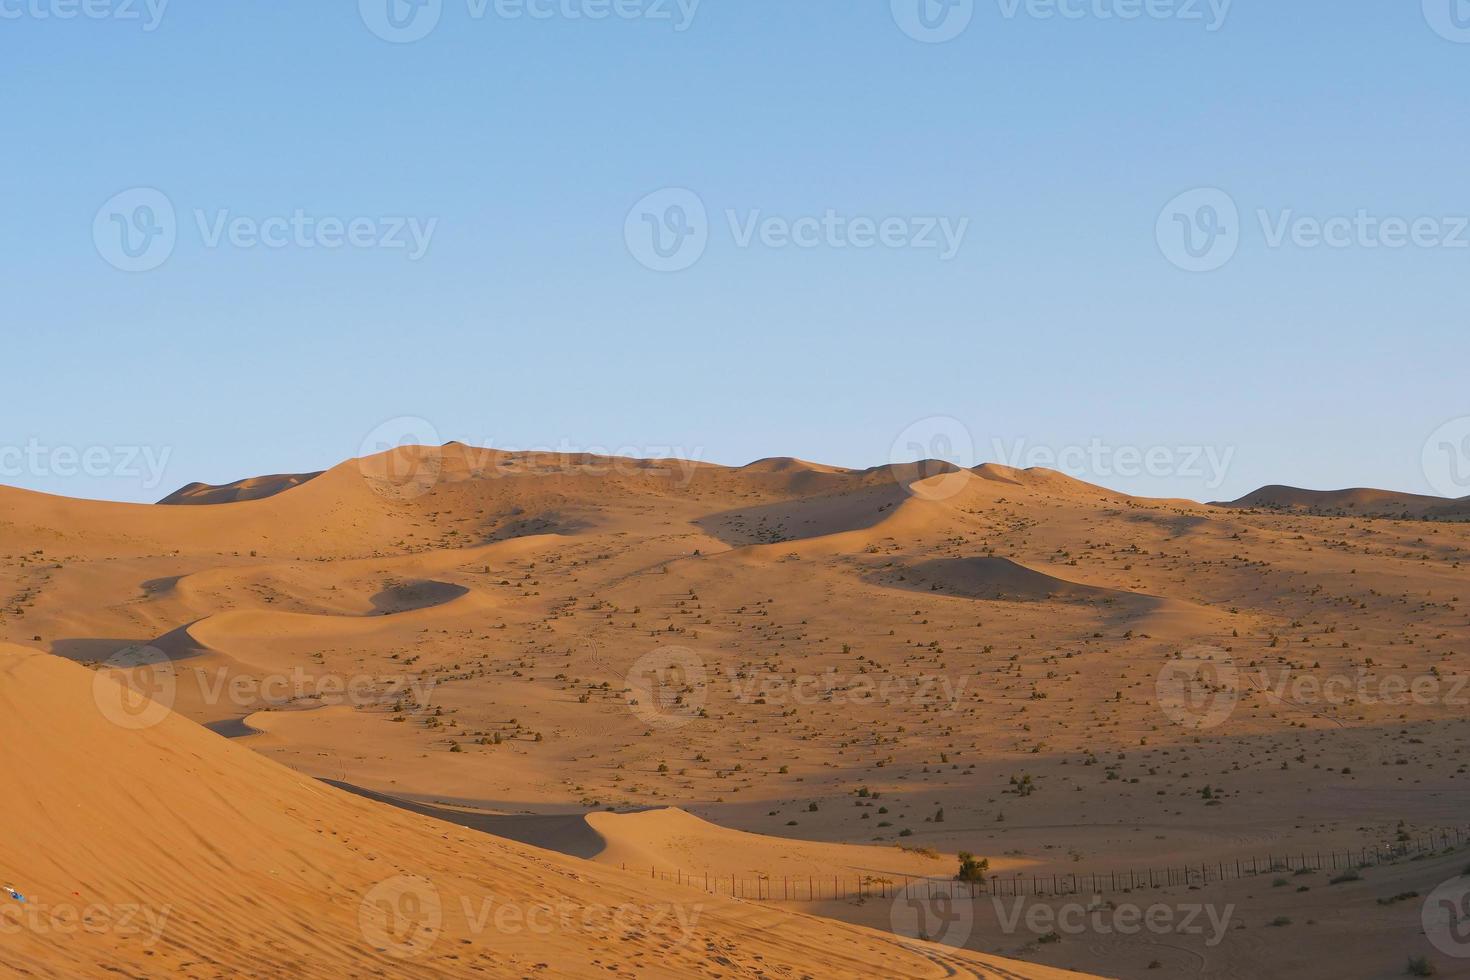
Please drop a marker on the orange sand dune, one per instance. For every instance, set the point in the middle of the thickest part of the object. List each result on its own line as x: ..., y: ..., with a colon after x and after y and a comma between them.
x: 533, y: 635
x: 673, y: 839
x: 1358, y: 500
x: 166, y: 850
x: 254, y: 488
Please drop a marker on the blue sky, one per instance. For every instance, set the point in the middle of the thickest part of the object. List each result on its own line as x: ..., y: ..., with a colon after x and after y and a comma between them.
x: 1058, y: 150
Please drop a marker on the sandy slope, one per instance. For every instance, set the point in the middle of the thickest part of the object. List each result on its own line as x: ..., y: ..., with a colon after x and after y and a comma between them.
x: 254, y: 488
x: 466, y: 627
x: 168, y: 850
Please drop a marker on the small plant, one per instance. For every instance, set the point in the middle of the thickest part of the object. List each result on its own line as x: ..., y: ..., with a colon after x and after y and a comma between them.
x: 1400, y: 897
x: 972, y: 868
x: 1349, y: 875
x: 1419, y: 966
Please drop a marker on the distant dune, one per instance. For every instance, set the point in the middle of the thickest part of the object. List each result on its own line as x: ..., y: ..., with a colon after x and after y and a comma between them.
x: 789, y: 464
x: 1357, y: 500
x: 254, y: 488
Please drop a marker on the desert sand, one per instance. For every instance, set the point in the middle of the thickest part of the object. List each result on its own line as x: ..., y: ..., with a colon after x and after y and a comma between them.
x: 589, y: 681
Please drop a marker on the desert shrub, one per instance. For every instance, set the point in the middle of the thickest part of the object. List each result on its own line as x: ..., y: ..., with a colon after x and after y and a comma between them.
x: 972, y: 868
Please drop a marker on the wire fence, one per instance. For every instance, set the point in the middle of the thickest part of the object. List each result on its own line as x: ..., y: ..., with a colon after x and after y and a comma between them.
x: 847, y: 887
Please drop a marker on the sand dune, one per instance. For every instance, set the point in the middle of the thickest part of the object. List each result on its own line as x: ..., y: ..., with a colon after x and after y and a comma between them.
x: 789, y: 464
x: 1358, y: 500
x: 1004, y: 579
x: 930, y: 636
x: 213, y: 861
x: 254, y: 488
x: 672, y: 839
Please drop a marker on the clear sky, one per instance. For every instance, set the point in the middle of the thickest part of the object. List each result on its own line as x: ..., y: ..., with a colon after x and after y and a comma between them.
x: 242, y: 238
